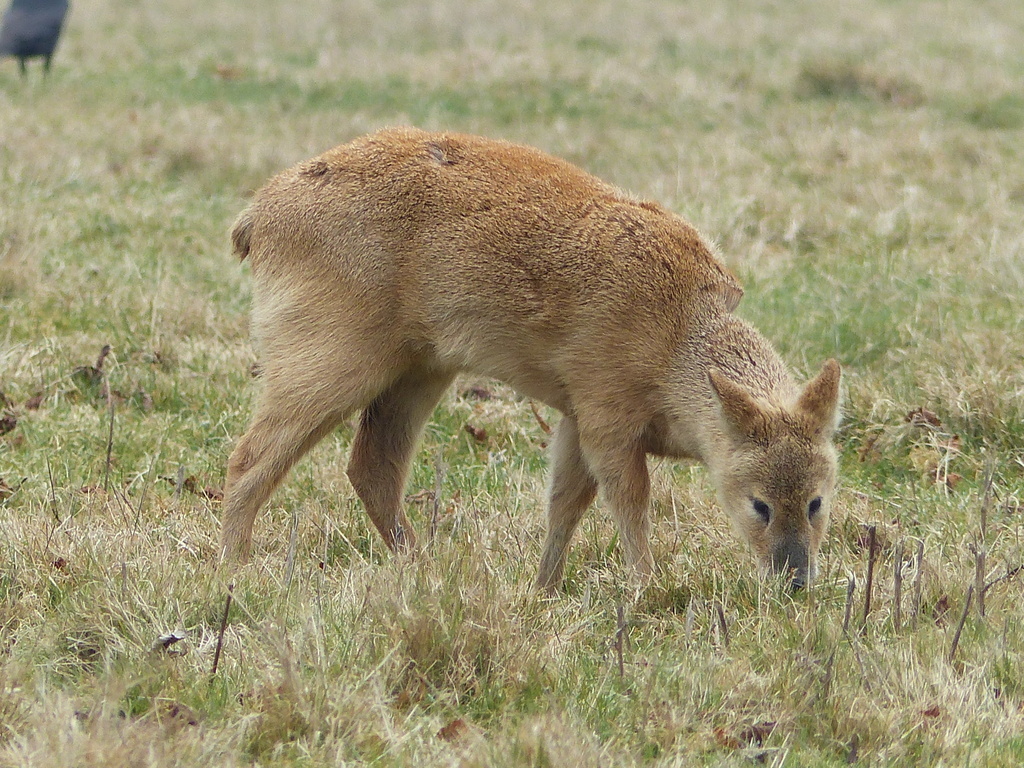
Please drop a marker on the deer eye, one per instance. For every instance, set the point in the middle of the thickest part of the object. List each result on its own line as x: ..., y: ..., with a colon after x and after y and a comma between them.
x: 762, y: 509
x: 814, y: 506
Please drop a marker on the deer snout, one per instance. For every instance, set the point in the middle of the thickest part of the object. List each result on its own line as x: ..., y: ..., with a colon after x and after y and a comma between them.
x: 792, y: 559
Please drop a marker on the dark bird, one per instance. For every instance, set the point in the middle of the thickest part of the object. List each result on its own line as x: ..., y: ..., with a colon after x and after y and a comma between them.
x: 31, y: 28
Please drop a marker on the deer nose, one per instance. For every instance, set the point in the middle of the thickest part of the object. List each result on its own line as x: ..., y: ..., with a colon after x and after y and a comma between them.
x: 791, y: 558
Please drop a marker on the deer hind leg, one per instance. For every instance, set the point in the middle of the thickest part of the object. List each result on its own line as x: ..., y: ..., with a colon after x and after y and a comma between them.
x: 274, y: 441
x: 572, y: 489
x: 389, y: 431
x: 300, y: 404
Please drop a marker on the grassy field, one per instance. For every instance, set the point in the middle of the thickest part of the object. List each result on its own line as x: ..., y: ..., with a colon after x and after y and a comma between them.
x: 861, y: 167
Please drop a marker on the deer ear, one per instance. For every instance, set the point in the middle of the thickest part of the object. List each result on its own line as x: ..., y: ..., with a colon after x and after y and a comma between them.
x: 739, y: 409
x: 820, y: 399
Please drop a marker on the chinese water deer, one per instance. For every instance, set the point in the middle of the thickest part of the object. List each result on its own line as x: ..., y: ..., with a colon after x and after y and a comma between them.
x: 384, y: 267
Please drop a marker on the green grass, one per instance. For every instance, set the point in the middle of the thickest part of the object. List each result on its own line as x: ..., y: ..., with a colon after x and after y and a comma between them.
x: 858, y: 167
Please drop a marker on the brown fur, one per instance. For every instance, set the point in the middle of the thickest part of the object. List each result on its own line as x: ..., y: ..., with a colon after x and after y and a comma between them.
x: 385, y: 266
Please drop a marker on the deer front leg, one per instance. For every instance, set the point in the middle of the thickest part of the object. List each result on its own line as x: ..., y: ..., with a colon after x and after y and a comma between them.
x: 621, y: 472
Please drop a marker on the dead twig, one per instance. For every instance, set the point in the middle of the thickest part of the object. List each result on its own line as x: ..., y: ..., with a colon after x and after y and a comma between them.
x: 851, y: 585
x: 179, y: 483
x: 102, y: 357
x: 223, y: 628
x: 620, y: 639
x: 854, y: 751
x: 918, y: 577
x: 872, y: 554
x: 1010, y: 573
x: 960, y: 626
x: 978, y: 550
x: 897, y: 588
x: 721, y: 623
x: 53, y: 492
x: 110, y: 441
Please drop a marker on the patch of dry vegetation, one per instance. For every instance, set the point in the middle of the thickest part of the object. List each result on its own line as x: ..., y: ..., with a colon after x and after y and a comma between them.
x: 858, y: 164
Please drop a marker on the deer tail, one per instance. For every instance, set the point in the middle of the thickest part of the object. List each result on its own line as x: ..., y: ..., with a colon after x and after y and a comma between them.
x: 241, y: 233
